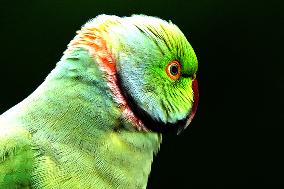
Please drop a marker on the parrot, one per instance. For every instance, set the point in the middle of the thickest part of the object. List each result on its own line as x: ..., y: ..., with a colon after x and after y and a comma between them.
x: 98, y: 118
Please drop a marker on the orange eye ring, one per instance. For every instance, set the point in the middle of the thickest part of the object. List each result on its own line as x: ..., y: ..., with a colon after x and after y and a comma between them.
x: 173, y: 70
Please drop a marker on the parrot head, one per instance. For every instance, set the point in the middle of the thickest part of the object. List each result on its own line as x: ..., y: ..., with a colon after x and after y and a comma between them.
x: 150, y: 68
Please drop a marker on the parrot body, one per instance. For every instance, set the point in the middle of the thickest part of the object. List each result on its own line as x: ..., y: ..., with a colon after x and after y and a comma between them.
x: 91, y: 123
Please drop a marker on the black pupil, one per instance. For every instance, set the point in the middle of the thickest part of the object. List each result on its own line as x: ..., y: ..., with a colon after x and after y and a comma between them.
x: 174, y: 69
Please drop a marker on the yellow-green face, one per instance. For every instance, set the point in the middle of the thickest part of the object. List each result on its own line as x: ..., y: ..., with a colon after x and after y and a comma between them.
x: 156, y: 69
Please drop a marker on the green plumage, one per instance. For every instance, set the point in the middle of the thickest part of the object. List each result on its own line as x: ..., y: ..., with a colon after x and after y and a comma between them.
x: 73, y: 133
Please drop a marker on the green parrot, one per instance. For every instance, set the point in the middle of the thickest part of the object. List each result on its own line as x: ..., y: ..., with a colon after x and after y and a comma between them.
x: 97, y: 119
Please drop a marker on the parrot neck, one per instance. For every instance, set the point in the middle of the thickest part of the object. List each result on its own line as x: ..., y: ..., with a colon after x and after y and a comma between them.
x: 94, y: 40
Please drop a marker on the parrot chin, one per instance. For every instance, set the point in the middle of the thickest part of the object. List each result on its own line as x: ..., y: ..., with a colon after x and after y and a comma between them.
x: 159, y: 126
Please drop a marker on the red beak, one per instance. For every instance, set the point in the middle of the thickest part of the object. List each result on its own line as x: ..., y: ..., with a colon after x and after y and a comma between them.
x: 195, y: 101
x: 194, y: 106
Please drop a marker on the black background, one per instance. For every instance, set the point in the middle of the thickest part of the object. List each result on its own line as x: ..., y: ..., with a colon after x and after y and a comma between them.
x: 237, y: 135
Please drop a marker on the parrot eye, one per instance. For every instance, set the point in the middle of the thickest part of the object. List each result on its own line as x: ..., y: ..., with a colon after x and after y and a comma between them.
x: 173, y: 70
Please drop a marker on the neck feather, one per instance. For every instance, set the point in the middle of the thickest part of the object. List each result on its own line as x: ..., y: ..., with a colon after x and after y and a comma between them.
x: 94, y: 40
